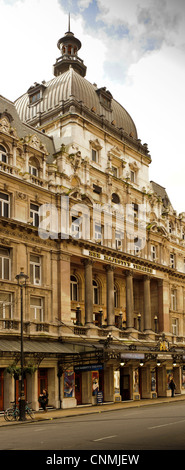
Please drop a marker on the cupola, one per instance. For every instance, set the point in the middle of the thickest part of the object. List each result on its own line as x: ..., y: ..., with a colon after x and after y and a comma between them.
x: 69, y: 46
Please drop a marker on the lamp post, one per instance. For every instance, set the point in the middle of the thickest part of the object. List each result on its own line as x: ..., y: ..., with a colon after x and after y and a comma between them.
x: 155, y: 323
x: 78, y: 315
x: 139, y: 321
x: 21, y: 279
x: 100, y: 317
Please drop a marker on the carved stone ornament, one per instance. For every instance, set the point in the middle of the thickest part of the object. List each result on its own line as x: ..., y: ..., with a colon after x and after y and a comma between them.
x: 5, y: 241
x: 5, y: 125
x: 21, y: 196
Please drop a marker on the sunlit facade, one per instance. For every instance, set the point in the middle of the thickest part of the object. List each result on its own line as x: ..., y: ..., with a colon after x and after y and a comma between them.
x: 101, y: 244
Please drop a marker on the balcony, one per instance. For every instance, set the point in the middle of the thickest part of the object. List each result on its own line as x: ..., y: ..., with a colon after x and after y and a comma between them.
x: 7, y: 324
x: 6, y: 168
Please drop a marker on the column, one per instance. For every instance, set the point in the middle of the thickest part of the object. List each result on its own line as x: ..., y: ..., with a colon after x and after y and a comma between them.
x: 88, y: 292
x: 147, y: 304
x: 110, y: 295
x: 129, y: 299
x: 164, y: 305
x: 64, y: 288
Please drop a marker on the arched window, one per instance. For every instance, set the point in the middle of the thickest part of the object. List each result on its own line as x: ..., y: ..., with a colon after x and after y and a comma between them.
x: 69, y: 49
x: 3, y: 155
x: 96, y: 296
x: 74, y: 287
x: 115, y: 198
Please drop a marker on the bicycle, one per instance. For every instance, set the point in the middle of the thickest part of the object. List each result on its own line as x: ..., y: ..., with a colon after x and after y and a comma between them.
x: 29, y: 411
x: 13, y: 413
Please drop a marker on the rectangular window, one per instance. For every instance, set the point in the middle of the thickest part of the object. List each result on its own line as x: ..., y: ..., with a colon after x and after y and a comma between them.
x: 34, y: 214
x: 35, y: 270
x: 118, y: 240
x: 6, y: 306
x: 153, y: 252
x: 4, y: 264
x: 75, y: 227
x: 175, y: 326
x: 115, y: 171
x: 4, y: 205
x: 34, y: 98
x: 97, y: 189
x: 94, y: 156
x: 36, y: 308
x: 172, y: 260
x: 97, y: 231
x: 173, y: 299
x: 33, y: 170
x: 132, y: 176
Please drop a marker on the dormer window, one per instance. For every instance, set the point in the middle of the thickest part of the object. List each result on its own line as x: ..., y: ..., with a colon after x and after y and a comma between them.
x: 105, y: 97
x: 35, y: 93
x: 34, y: 98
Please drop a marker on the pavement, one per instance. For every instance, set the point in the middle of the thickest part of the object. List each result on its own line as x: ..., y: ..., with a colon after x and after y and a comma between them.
x: 81, y: 410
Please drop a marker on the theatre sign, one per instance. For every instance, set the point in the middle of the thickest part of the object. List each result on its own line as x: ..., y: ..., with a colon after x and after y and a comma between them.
x: 118, y: 261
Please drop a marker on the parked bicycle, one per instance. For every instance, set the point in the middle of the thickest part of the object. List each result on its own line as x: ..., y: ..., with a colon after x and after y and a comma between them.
x: 13, y: 413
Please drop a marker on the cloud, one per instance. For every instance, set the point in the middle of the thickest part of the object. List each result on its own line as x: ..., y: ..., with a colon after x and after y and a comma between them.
x: 135, y: 48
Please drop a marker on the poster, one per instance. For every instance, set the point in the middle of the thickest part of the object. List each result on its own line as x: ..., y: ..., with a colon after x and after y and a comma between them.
x: 136, y: 381
x: 69, y: 384
x: 153, y: 381
x: 169, y: 377
x: 95, y: 382
x: 116, y: 382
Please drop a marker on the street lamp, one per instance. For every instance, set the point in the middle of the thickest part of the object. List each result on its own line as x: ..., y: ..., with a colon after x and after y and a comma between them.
x: 21, y: 280
x: 139, y: 321
x: 78, y: 315
x: 155, y: 323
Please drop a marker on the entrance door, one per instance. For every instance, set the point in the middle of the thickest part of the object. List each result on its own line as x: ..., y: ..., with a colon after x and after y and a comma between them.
x: 124, y: 386
x: 42, y: 380
x: 78, y: 387
x: 1, y: 390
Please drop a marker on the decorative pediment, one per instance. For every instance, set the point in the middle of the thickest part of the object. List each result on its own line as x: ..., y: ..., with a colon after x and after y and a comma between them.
x: 75, y: 159
x: 114, y: 152
x: 5, y: 126
x: 134, y: 166
x: 36, y: 143
x: 95, y: 144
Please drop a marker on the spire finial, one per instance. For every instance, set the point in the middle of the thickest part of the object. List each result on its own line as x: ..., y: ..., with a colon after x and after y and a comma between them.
x: 69, y: 28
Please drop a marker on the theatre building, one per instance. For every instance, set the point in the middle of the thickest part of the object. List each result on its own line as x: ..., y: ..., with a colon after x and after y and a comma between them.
x: 101, y: 244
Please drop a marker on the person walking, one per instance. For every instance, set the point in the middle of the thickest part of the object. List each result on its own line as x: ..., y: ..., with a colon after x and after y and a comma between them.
x: 172, y: 387
x: 43, y: 399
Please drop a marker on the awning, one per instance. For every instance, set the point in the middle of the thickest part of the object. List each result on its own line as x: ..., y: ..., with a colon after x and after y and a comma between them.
x: 32, y: 346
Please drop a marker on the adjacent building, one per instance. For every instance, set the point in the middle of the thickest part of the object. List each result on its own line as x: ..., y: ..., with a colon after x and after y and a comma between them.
x: 101, y: 244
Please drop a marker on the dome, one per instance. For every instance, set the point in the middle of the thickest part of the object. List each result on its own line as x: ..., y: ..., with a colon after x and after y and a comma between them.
x: 70, y: 92
x: 70, y: 85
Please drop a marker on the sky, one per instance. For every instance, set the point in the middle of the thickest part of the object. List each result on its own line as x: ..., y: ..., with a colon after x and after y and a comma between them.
x: 136, y: 48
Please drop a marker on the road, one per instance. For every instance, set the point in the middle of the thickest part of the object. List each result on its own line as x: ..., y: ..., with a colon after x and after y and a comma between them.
x: 159, y: 427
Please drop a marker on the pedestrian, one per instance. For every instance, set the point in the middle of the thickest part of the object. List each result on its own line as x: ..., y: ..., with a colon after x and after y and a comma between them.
x: 172, y: 387
x: 43, y: 399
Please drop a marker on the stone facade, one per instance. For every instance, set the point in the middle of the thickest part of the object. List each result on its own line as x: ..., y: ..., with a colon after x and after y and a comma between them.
x: 101, y: 244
